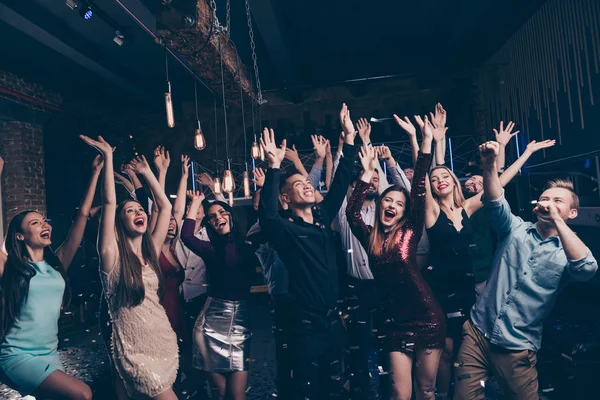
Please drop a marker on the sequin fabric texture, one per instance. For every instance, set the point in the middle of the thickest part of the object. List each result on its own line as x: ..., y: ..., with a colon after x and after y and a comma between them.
x: 410, y: 317
x: 144, y: 346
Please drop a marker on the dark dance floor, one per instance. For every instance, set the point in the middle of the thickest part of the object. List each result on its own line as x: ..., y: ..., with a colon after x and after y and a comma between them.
x: 84, y: 356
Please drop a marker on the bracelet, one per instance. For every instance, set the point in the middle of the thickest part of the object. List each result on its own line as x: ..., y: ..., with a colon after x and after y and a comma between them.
x: 369, y: 144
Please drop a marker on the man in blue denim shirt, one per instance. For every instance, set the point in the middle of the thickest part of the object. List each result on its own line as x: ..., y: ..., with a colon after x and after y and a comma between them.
x: 532, y: 263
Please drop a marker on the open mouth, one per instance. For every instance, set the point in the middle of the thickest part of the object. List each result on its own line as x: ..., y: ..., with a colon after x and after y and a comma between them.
x: 45, y: 234
x: 443, y: 186
x: 221, y: 225
x: 309, y: 192
x: 388, y: 215
x: 139, y: 222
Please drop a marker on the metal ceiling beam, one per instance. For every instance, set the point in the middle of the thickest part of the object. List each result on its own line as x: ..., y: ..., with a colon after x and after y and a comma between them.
x: 22, y: 24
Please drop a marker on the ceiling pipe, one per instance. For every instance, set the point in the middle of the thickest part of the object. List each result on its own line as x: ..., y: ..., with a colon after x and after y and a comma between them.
x: 30, y: 100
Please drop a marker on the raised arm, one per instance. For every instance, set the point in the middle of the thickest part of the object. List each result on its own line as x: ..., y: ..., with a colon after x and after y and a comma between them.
x: 270, y: 221
x: 474, y: 203
x: 328, y: 166
x: 418, y: 192
x: 159, y: 234
x: 394, y: 171
x: 201, y: 248
x: 438, y: 123
x: 162, y: 160
x: 582, y: 264
x: 207, y: 180
x: 291, y: 154
x: 66, y: 252
x: 503, y: 137
x: 343, y: 176
x: 411, y: 131
x: 368, y: 159
x: 107, y: 242
x: 179, y: 206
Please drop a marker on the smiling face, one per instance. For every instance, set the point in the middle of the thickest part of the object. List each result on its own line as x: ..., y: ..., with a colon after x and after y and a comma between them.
x: 219, y: 218
x: 298, y: 191
x: 391, y: 208
x: 474, y: 184
x: 373, y: 187
x: 409, y: 172
x: 134, y: 219
x: 35, y: 231
x: 442, y: 182
x: 172, y: 232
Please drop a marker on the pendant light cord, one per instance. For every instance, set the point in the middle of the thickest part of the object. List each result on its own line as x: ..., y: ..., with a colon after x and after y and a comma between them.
x: 242, y: 105
x: 224, y: 106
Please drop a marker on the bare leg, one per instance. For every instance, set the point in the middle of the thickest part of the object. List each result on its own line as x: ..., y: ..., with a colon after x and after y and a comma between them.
x: 428, y: 361
x: 59, y: 385
x: 444, y: 374
x: 236, y: 385
x: 401, y: 369
x: 166, y: 395
x: 220, y: 381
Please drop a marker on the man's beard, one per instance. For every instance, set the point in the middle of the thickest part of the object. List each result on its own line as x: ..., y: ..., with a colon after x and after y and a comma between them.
x: 372, y: 195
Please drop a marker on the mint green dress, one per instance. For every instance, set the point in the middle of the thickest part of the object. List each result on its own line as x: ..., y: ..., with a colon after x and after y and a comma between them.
x: 28, y: 353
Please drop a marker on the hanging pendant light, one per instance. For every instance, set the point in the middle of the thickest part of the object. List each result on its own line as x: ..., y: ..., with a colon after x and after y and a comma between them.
x: 255, y: 150
x: 246, y: 180
x: 199, y: 140
x: 217, y: 188
x: 228, y: 181
x: 231, y: 199
x: 168, y: 98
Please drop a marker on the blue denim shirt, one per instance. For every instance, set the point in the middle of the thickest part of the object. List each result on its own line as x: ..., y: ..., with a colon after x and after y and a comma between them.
x: 525, y: 280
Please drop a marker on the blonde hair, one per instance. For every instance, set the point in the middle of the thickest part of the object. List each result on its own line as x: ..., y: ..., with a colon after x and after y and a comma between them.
x: 457, y: 194
x: 567, y: 185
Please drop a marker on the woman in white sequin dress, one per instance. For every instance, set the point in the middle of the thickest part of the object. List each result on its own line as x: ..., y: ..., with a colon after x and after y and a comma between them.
x: 144, y: 347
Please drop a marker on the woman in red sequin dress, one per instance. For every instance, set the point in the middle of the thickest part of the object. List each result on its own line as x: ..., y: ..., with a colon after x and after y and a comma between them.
x: 414, y: 326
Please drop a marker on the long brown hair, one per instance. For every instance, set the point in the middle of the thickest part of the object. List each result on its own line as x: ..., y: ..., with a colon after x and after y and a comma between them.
x: 377, y: 238
x: 457, y: 194
x: 130, y: 290
x: 14, y: 284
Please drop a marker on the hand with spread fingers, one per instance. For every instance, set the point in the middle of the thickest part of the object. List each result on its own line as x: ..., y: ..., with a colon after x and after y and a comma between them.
x: 275, y: 155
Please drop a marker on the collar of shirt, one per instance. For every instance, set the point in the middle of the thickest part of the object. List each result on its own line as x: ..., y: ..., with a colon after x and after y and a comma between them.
x: 317, y: 218
x: 534, y: 227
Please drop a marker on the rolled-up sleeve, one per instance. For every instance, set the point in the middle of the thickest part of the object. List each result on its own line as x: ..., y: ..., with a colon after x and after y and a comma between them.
x: 503, y: 221
x: 583, y: 269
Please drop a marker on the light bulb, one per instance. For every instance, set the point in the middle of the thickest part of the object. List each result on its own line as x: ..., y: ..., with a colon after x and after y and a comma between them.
x: 199, y: 141
x: 231, y: 199
x: 169, y: 107
x: 228, y: 182
x: 217, y: 188
x: 246, y: 185
x: 255, y: 150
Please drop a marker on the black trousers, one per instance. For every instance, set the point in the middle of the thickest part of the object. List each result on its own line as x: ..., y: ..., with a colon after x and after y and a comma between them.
x: 362, y: 301
x: 281, y: 314
x: 317, y: 352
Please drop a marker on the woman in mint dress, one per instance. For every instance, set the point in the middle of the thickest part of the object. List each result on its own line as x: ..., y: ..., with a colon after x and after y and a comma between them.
x: 32, y: 290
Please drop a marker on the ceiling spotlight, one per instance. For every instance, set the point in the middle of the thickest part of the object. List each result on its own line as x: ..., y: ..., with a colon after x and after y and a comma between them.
x: 119, y: 38
x: 82, y: 7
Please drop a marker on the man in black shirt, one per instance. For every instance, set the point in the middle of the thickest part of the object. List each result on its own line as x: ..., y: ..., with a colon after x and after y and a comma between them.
x: 306, y: 245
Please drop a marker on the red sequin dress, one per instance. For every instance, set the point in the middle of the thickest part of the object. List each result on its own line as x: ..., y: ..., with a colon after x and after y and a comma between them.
x: 173, y: 277
x: 411, y: 317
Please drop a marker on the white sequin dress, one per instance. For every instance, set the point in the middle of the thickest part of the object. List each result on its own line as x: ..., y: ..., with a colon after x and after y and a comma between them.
x: 144, y: 347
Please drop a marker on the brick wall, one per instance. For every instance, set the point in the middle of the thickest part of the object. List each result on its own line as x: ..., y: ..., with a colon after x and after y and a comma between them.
x: 14, y: 83
x: 23, y: 180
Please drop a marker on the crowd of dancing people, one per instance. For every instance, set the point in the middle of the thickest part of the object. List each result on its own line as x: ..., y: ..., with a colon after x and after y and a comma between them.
x: 435, y: 276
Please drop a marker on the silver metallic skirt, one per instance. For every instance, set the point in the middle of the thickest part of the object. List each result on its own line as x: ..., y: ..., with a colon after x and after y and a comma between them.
x: 221, y: 336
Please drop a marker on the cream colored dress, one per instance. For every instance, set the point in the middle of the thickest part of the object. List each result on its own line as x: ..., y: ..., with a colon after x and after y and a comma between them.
x: 144, y: 347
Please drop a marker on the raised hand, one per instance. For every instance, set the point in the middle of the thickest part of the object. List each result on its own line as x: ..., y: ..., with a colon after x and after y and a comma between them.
x: 535, y: 146
x: 406, y: 125
x: 383, y: 152
x: 439, y: 118
x: 197, y: 197
x: 259, y: 177
x: 275, y: 155
x: 426, y: 128
x: 140, y: 166
x: 368, y: 158
x: 292, y: 154
x: 488, y: 152
x: 101, y: 145
x: 205, y: 179
x: 364, y: 130
x: 504, y: 135
x: 319, y: 145
x: 162, y: 159
x: 328, y: 147
x: 185, y: 165
x: 347, y: 125
x: 97, y: 164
